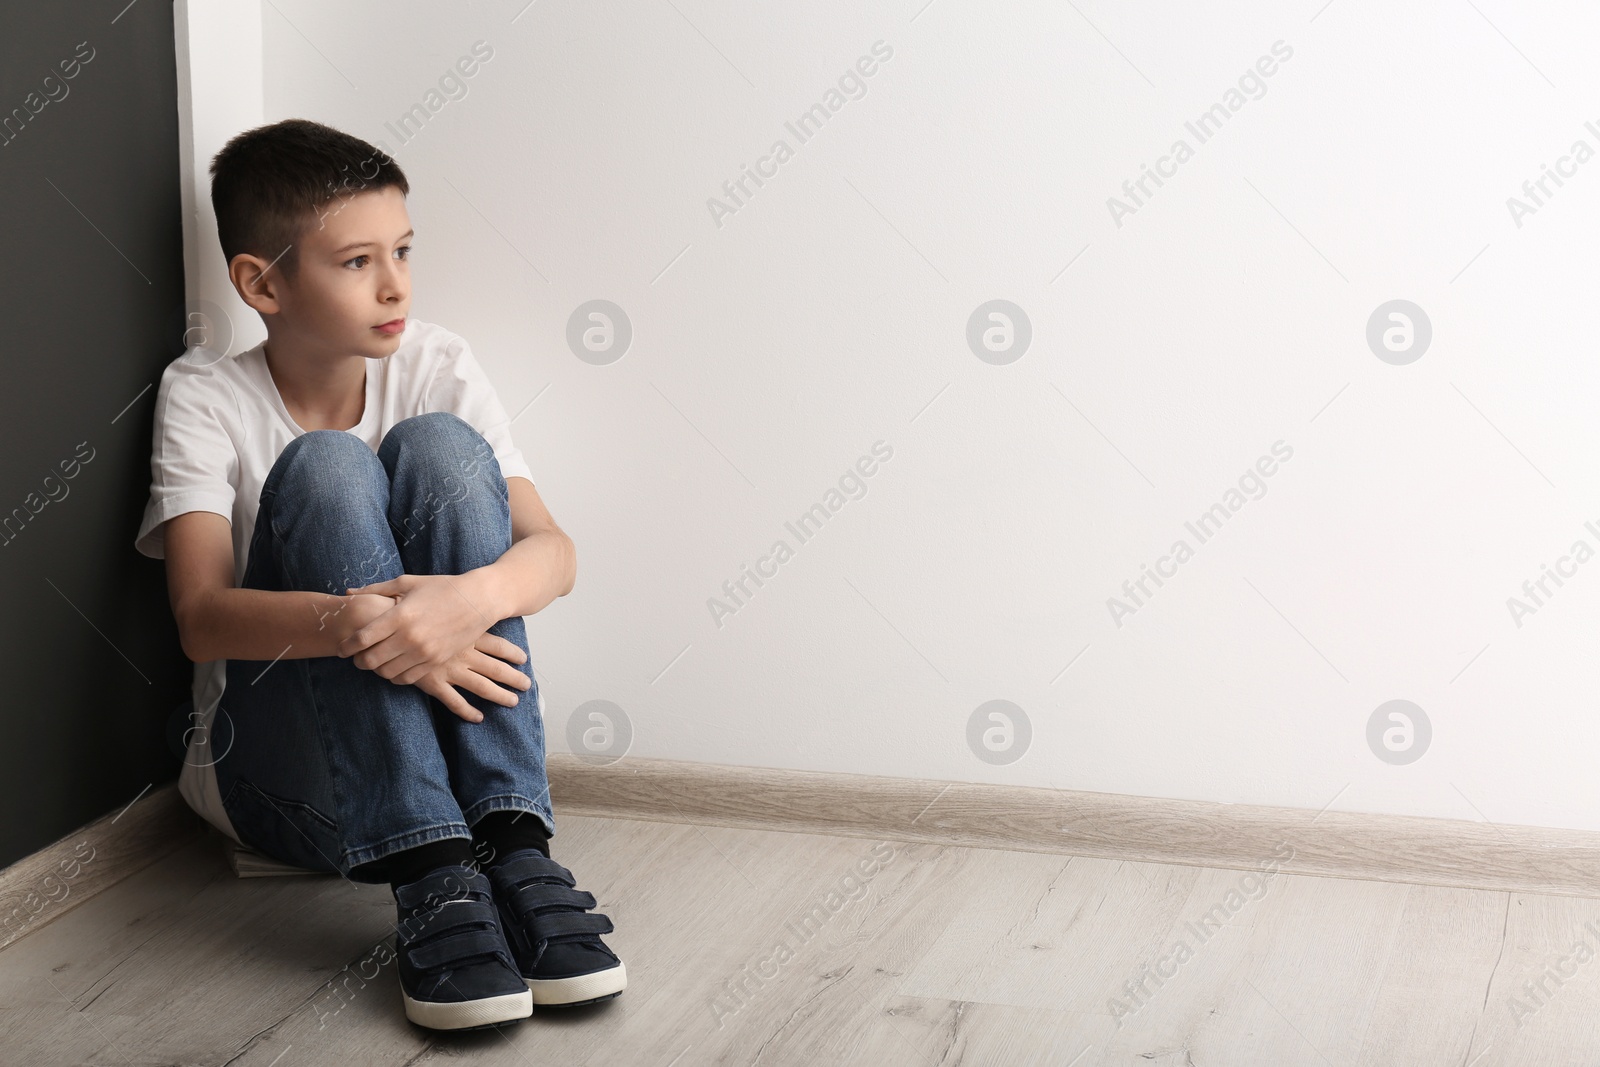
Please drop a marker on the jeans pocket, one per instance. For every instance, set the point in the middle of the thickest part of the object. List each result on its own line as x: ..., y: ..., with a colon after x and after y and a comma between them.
x: 287, y: 830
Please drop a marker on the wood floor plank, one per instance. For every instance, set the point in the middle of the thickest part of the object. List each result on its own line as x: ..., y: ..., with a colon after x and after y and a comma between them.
x: 943, y: 1033
x: 1538, y: 985
x: 50, y: 976
x: 245, y: 952
x: 103, y: 933
x: 1053, y: 933
x: 1289, y: 979
x: 823, y: 1000
x: 1431, y: 998
x: 713, y: 991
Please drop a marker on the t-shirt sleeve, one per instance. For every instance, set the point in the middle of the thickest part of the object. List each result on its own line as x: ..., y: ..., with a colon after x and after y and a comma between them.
x: 460, y: 387
x: 193, y: 463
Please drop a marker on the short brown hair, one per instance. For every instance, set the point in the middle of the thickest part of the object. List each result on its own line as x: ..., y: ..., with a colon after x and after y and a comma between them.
x: 268, y: 183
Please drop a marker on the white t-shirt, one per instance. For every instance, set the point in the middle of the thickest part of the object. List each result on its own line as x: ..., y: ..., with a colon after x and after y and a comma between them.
x: 220, y: 424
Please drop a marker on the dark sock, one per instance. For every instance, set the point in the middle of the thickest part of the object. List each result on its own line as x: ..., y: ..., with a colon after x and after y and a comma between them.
x: 500, y: 833
x: 407, y: 865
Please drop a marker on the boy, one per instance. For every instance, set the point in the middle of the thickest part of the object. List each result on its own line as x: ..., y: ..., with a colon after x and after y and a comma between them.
x: 352, y: 541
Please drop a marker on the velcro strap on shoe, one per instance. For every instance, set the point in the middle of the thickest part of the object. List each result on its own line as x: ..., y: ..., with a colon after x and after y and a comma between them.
x: 543, y: 895
x: 457, y: 948
x: 568, y: 924
x: 530, y: 867
x: 446, y: 915
x: 442, y: 885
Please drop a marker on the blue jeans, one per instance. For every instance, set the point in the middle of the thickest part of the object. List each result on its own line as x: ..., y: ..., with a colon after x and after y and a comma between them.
x: 328, y: 765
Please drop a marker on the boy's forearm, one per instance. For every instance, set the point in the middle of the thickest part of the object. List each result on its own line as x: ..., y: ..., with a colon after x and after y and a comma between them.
x: 262, y: 624
x: 527, y: 577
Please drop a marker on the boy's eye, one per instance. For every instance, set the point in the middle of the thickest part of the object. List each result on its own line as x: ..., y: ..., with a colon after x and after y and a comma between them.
x: 361, y: 261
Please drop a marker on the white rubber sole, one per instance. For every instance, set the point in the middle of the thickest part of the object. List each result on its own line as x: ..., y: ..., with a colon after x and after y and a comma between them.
x: 579, y: 989
x: 469, y: 1013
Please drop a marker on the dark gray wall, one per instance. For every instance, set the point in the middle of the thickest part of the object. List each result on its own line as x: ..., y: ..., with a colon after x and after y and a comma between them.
x: 91, y: 290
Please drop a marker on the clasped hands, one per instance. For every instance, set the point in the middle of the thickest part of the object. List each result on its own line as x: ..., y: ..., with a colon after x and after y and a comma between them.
x: 426, y: 630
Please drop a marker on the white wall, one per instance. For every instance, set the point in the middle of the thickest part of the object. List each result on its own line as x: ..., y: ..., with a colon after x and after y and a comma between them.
x: 218, y: 53
x: 1228, y: 313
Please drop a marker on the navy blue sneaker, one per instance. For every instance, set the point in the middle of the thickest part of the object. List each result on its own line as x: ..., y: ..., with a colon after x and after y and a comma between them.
x: 554, y: 939
x: 456, y: 970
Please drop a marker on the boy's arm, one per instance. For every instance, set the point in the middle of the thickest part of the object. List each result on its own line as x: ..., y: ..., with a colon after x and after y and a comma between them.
x: 541, y: 564
x: 217, y: 621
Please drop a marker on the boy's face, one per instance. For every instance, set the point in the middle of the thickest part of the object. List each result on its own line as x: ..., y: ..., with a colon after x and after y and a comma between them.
x: 353, y: 276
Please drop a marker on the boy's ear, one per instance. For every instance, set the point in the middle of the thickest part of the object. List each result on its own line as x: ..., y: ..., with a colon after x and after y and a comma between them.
x: 258, y: 283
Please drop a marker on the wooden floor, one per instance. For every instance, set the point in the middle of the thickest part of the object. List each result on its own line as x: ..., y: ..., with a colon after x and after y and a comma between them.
x: 935, y: 955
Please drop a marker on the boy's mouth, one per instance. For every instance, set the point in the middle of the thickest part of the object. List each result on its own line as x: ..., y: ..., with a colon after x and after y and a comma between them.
x: 392, y: 327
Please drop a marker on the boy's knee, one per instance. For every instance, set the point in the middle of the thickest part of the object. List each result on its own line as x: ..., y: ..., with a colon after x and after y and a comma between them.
x: 327, y: 466
x: 440, y: 438
x: 325, y: 448
x: 432, y: 423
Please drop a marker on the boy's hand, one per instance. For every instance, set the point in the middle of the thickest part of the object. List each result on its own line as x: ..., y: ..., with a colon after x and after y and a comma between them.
x: 357, y: 611
x: 477, y: 669
x: 435, y: 619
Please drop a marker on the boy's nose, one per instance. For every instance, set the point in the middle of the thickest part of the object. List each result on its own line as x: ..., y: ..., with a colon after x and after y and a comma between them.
x: 393, y: 286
